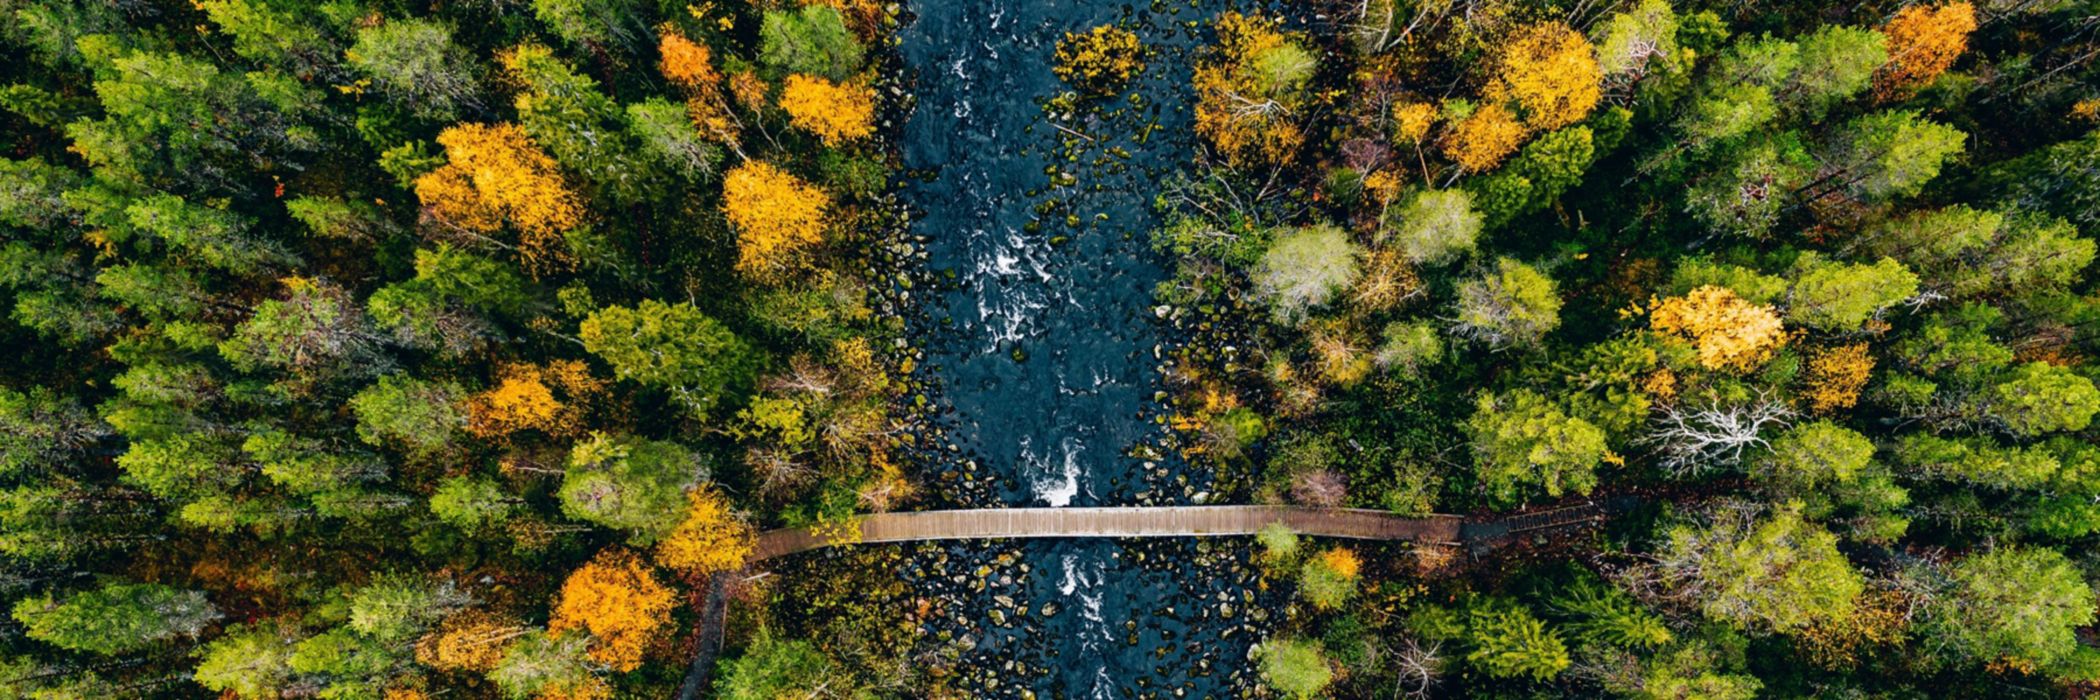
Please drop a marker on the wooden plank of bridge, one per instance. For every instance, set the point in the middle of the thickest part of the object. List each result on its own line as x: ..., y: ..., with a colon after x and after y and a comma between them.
x: 1163, y: 521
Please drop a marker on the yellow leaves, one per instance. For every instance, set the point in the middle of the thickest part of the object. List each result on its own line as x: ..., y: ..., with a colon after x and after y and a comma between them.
x: 777, y: 217
x: 1342, y: 561
x: 1836, y: 375
x: 1099, y: 61
x: 709, y: 540
x: 1550, y: 73
x: 685, y: 62
x: 835, y: 112
x: 618, y: 602
x: 1411, y: 121
x: 1923, y: 43
x: 469, y: 641
x: 1247, y: 93
x: 524, y: 399
x: 494, y: 175
x: 1727, y: 331
x: 1482, y: 140
x: 749, y: 91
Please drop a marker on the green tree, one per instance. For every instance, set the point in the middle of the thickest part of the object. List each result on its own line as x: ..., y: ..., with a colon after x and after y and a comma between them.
x: 414, y: 64
x: 1409, y: 347
x: 398, y: 608
x: 1599, y: 614
x: 117, y: 618
x: 2041, y: 398
x: 1435, y: 226
x: 1513, y: 305
x: 1976, y: 461
x: 1305, y: 268
x: 629, y: 483
x: 812, y: 40
x: 40, y: 427
x: 1521, y: 440
x: 1508, y: 642
x: 676, y: 348
x: 175, y: 120
x: 419, y: 417
x: 472, y: 503
x: 565, y: 112
x: 1886, y: 155
x: 281, y: 34
x: 2023, y: 604
x: 1838, y: 296
x: 317, y: 328
x: 1294, y: 667
x: 1540, y: 173
x: 248, y: 661
x: 666, y: 134
x: 610, y: 24
x: 1814, y: 454
x: 773, y: 667
x: 537, y: 663
x: 451, y: 303
x: 1837, y: 63
x: 1747, y: 196
x: 1777, y: 573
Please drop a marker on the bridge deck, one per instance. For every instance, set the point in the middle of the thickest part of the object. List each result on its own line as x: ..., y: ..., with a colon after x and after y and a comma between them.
x: 1163, y: 521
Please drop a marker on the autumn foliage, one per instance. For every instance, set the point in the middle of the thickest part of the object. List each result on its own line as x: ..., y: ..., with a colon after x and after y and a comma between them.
x: 687, y: 63
x: 1482, y: 140
x: 835, y: 112
x: 1099, y: 61
x: 1728, y: 331
x: 550, y: 398
x: 777, y: 217
x: 1836, y: 375
x: 1923, y: 43
x: 619, y: 602
x: 1549, y: 73
x: 469, y: 641
x: 495, y: 175
x: 1247, y: 92
x: 710, y: 539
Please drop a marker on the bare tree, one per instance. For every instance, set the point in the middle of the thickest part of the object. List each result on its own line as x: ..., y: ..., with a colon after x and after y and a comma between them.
x: 1693, y: 441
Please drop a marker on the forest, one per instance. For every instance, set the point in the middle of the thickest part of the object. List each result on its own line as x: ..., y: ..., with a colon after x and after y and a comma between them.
x: 389, y: 350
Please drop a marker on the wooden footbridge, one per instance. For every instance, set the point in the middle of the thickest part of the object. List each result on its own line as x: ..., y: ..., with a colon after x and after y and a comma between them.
x: 1159, y: 521
x: 1170, y: 521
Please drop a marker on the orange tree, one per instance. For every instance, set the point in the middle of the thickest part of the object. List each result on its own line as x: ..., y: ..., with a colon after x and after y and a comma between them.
x: 618, y: 602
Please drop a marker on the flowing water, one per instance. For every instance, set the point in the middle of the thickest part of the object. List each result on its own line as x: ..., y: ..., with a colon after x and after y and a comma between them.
x: 1043, y: 347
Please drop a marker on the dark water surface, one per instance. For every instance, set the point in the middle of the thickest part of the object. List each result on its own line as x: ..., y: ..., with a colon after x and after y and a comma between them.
x: 1057, y: 426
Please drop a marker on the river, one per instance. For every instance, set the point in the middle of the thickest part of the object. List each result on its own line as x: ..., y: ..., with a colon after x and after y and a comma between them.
x: 1043, y: 347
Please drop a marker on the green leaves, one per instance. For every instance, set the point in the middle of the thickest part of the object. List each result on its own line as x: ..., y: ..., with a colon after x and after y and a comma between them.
x: 629, y: 483
x: 673, y: 347
x: 1521, y: 440
x: 116, y: 618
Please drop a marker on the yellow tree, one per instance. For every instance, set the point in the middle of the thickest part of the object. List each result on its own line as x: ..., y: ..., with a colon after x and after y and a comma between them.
x: 1549, y: 72
x: 835, y: 112
x: 1728, y: 331
x: 710, y: 539
x: 617, y: 601
x: 1248, y: 92
x: 1923, y: 43
x: 686, y: 62
x: 525, y: 398
x: 495, y: 175
x: 1483, y: 139
x: 777, y: 216
x: 469, y: 641
x: 1836, y: 375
